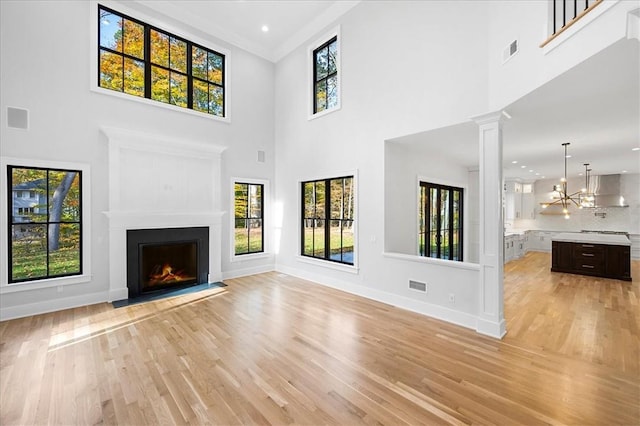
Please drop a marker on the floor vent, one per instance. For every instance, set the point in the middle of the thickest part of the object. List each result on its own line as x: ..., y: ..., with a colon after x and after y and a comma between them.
x: 510, y: 51
x: 416, y: 285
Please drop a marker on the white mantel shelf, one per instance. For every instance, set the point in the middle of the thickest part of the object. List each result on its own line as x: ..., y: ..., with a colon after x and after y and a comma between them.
x: 580, y: 237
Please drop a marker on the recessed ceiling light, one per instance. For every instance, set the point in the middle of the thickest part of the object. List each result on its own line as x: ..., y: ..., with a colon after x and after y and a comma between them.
x: 635, y: 149
x: 530, y: 171
x: 537, y: 174
x: 265, y: 29
x: 579, y: 174
x: 624, y: 171
x: 543, y: 177
x: 514, y: 162
x: 567, y: 156
x: 523, y: 167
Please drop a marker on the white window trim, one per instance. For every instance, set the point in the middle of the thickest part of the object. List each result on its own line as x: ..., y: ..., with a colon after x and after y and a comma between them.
x: 356, y: 242
x: 85, y: 277
x: 465, y: 219
x: 335, y: 32
x: 266, y: 220
x: 93, y: 55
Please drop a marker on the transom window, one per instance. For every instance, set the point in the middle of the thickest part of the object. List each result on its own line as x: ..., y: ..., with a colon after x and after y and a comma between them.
x: 46, y: 227
x: 249, y: 214
x: 325, y: 76
x: 141, y: 60
x: 328, y: 219
x: 440, y: 221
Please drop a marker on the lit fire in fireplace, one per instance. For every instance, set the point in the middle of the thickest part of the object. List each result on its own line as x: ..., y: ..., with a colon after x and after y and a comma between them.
x: 166, y: 274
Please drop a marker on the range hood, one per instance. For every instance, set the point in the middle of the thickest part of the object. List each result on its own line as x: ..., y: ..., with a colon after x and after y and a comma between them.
x: 606, y: 189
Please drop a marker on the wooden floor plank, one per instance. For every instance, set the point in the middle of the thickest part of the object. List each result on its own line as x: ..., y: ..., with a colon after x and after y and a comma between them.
x: 274, y: 349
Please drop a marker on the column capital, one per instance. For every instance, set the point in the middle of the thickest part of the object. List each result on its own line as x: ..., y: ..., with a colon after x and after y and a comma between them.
x: 489, y: 117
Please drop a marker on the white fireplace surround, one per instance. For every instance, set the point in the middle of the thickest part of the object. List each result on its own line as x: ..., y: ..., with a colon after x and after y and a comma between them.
x: 158, y: 182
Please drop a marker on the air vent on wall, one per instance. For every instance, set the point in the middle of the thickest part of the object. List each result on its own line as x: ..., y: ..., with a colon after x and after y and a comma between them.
x: 510, y: 51
x: 416, y: 285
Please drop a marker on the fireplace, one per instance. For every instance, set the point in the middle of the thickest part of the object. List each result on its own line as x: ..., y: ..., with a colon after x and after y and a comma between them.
x: 166, y: 258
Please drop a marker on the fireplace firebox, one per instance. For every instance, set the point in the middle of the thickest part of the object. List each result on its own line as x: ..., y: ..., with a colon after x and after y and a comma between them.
x: 160, y: 259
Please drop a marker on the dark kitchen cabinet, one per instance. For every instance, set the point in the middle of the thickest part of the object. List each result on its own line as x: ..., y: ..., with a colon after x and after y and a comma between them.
x: 600, y: 260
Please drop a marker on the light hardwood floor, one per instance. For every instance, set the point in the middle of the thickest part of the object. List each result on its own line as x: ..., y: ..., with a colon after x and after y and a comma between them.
x: 274, y: 349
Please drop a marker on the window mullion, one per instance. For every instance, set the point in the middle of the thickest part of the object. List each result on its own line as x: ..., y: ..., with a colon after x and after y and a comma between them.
x: 327, y: 220
x: 147, y: 62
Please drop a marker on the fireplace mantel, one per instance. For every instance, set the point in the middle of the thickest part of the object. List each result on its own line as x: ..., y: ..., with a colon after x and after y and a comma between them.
x: 160, y: 182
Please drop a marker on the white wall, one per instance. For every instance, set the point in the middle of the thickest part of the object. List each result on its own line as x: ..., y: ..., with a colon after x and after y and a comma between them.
x: 404, y: 166
x: 45, y: 68
x: 405, y: 69
x: 533, y: 66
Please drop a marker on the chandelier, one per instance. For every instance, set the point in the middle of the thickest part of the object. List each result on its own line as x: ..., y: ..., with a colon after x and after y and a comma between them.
x: 580, y: 199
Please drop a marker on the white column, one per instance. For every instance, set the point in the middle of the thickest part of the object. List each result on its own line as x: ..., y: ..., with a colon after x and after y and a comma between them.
x: 491, y: 292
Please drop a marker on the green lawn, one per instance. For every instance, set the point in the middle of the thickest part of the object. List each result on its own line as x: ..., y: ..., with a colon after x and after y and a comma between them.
x: 334, y: 241
x: 30, y: 260
x: 248, y: 243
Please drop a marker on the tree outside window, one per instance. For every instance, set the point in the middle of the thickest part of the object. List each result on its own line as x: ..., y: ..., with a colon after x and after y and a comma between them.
x: 249, y: 213
x: 325, y: 76
x: 144, y: 61
x: 328, y: 219
x: 46, y: 227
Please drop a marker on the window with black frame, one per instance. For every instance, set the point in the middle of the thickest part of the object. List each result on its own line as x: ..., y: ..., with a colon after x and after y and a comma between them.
x: 249, y: 218
x: 328, y: 219
x: 45, y: 223
x: 440, y: 221
x: 141, y: 60
x: 325, y: 76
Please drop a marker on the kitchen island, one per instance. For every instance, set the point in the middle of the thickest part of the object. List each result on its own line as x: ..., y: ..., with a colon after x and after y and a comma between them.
x: 601, y: 255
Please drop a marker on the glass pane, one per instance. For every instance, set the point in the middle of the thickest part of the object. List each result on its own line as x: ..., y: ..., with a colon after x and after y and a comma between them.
x: 456, y: 209
x: 333, y: 56
x: 348, y: 210
x: 64, y: 249
x: 134, y: 77
x: 255, y: 236
x: 335, y: 241
x: 216, y: 100
x: 159, y: 48
x: 110, y: 71
x: 241, y: 236
x: 179, y: 89
x: 337, y: 199
x: 320, y: 200
x: 255, y: 196
x: 110, y: 30
x: 321, y: 96
x: 348, y: 243
x: 159, y: 84
x: 455, y: 252
x: 199, y: 62
x: 178, y: 54
x: 444, y: 225
x: 309, y: 197
x: 240, y: 190
x: 322, y: 63
x: 332, y: 91
x: 433, y: 244
x: 214, y: 69
x: 307, y: 248
x: 318, y: 238
x: 29, y: 195
x: 133, y: 39
x: 421, y: 251
x: 64, y: 196
x: 200, y: 96
x: 29, y: 251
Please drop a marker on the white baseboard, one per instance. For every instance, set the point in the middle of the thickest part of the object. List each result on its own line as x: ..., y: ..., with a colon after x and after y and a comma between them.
x: 247, y: 271
x: 434, y: 311
x: 47, y: 306
x: 118, y: 294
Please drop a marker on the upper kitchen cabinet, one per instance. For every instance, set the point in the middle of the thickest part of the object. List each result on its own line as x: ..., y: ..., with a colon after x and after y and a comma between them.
x: 519, y: 200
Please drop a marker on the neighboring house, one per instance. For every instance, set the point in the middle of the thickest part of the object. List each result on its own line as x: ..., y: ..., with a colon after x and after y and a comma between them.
x: 29, y: 199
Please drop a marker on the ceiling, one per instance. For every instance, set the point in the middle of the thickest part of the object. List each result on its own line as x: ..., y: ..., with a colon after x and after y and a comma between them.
x: 595, y: 107
x: 240, y: 22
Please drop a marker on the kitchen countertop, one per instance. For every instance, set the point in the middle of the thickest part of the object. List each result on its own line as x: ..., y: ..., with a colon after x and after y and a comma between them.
x: 579, y: 237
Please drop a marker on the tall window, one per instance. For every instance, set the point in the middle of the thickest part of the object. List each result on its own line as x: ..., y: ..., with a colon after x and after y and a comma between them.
x: 328, y: 219
x: 440, y: 221
x: 249, y: 214
x: 325, y: 76
x: 46, y: 227
x: 144, y: 61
